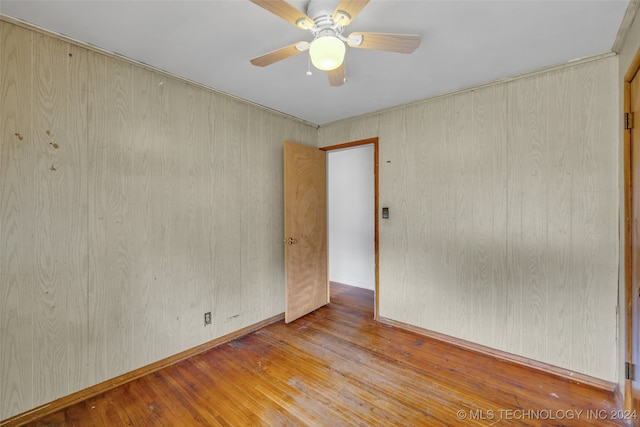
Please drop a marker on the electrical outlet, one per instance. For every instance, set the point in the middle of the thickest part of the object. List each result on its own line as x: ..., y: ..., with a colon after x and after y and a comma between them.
x: 207, y: 318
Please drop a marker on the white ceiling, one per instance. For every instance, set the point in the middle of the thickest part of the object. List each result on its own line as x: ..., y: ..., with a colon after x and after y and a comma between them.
x: 464, y: 43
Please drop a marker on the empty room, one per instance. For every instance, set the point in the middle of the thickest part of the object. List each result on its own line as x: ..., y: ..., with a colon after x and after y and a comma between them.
x: 269, y: 212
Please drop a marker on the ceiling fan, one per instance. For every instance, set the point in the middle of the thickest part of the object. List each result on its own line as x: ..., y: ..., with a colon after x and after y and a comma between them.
x: 327, y: 49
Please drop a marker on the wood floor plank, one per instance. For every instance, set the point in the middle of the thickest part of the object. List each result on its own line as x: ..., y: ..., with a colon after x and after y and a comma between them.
x: 317, y: 378
x: 422, y: 399
x: 337, y: 366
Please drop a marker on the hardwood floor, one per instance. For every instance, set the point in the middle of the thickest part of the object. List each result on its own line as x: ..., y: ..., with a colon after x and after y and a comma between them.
x: 338, y: 367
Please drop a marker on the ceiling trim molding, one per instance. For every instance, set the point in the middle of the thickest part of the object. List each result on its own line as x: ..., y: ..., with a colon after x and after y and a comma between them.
x: 629, y: 16
x: 481, y: 86
x: 90, y: 47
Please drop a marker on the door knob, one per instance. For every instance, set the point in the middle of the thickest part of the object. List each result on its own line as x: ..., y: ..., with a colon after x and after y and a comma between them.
x: 290, y: 241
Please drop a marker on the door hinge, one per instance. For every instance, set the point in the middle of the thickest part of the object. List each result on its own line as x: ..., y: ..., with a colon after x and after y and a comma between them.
x: 630, y: 371
x: 628, y: 121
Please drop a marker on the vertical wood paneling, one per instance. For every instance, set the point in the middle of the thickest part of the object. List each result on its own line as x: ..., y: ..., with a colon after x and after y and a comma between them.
x: 594, y: 215
x: 432, y: 195
x: 273, y: 255
x: 169, y: 199
x: 110, y: 287
x: 403, y: 215
x: 498, y: 281
x: 512, y: 328
x: 426, y: 163
x: 17, y: 161
x: 74, y: 150
x: 47, y: 165
x: 563, y: 145
x: 529, y: 145
x: 464, y: 181
x: 162, y: 193
x: 488, y: 211
x: 144, y: 213
x: 419, y: 169
x: 194, y: 255
x: 446, y: 284
x: 509, y: 238
x: 236, y: 116
x: 274, y: 126
x: 212, y: 178
x: 53, y: 210
x: 94, y: 302
x: 255, y: 214
x: 225, y: 209
x: 481, y: 201
x: 395, y: 228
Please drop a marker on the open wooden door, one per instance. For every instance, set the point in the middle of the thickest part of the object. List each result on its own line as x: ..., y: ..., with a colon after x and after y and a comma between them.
x: 632, y: 213
x: 305, y: 230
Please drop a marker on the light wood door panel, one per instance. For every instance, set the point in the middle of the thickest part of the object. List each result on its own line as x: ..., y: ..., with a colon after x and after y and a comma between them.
x: 305, y: 228
x: 634, y: 298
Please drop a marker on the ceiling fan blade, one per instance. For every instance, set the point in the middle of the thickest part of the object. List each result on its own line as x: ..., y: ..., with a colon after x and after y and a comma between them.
x: 338, y: 76
x: 287, y: 12
x: 280, y: 54
x: 347, y: 10
x: 402, y: 43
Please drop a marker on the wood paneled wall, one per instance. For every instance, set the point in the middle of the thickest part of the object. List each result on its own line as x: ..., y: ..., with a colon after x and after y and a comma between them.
x: 504, y: 214
x: 131, y: 203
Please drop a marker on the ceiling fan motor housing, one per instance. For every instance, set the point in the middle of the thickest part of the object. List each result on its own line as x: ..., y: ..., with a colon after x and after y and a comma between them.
x: 322, y: 13
x: 319, y: 8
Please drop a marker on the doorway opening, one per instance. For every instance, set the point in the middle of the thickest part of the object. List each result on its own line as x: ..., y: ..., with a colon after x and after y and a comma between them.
x: 358, y: 274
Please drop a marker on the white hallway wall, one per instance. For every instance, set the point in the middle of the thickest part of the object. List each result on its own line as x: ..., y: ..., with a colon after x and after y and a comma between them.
x: 351, y: 216
x: 504, y: 225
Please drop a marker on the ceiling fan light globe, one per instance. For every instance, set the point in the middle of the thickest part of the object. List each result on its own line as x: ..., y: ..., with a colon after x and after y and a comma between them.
x: 327, y: 52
